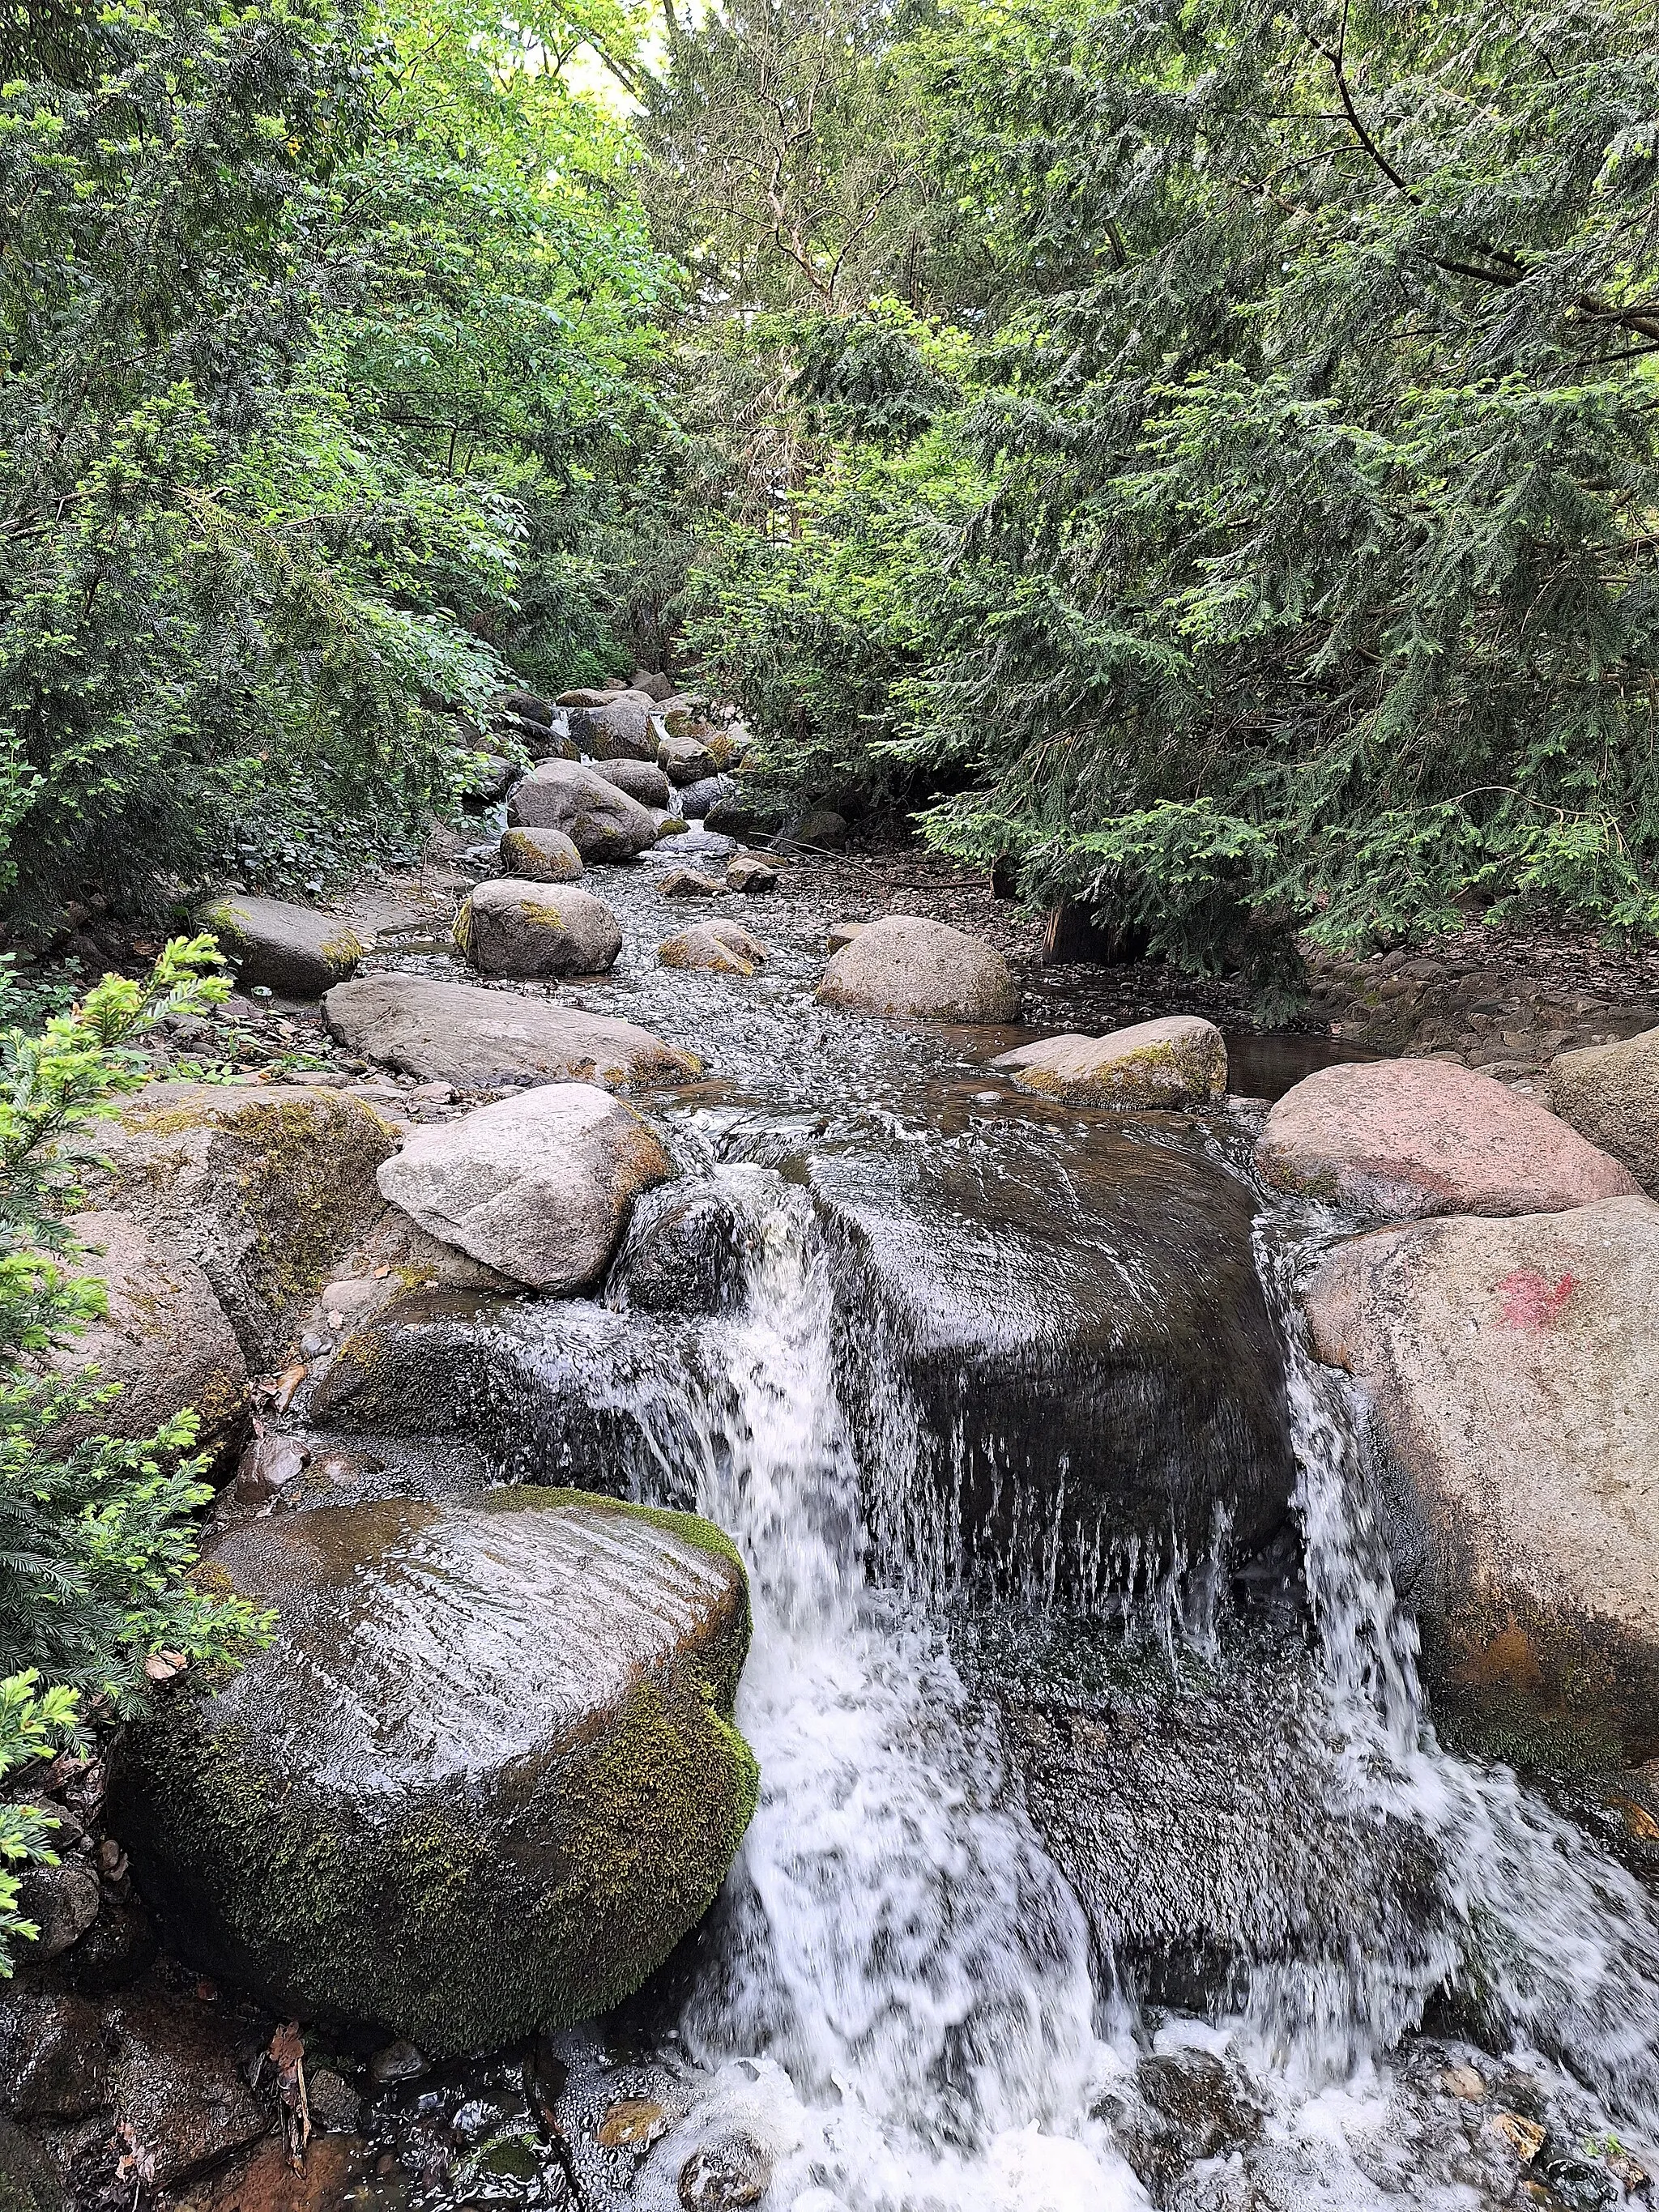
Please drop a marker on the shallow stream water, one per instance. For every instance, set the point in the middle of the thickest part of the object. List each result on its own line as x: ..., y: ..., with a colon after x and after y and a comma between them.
x: 910, y: 1997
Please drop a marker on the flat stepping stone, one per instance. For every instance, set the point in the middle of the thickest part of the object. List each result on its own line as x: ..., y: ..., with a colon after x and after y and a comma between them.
x: 477, y: 1040
x: 293, y: 951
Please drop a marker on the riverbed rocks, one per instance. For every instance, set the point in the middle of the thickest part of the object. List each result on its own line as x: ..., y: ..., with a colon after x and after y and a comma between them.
x: 163, y: 1338
x: 691, y: 884
x: 641, y: 780
x: 483, y: 1781
x: 620, y: 730
x: 291, y: 950
x: 260, y: 1187
x: 516, y: 927
x: 601, y: 821
x: 1179, y: 1061
x: 536, y: 1188
x: 684, y: 758
x: 478, y: 1040
x: 1610, y: 1094
x: 1513, y: 1366
x: 1091, y: 1386
x: 1410, y: 1138
x: 905, y: 964
x: 540, y: 856
x: 744, y: 873
x: 725, y: 948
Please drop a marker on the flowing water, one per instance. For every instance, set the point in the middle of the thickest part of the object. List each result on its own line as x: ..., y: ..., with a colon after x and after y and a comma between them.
x: 901, y: 2002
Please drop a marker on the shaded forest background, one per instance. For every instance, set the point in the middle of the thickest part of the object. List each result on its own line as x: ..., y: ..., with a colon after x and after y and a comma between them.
x: 1198, y: 457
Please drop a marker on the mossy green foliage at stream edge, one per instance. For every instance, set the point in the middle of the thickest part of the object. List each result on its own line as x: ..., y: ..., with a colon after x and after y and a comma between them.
x: 471, y: 1912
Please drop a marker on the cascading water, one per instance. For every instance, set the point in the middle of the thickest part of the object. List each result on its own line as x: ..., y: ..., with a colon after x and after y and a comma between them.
x: 894, y: 1933
x: 1557, y: 1946
x: 898, y: 2001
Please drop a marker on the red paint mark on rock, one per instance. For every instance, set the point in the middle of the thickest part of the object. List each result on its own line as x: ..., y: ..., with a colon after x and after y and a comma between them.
x: 1530, y: 1302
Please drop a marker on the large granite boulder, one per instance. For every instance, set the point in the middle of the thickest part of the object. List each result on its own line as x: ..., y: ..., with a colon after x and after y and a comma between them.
x: 292, y: 950
x: 1179, y: 1061
x: 641, y: 780
x: 1090, y: 1389
x: 537, y: 1187
x: 262, y: 1187
x: 163, y: 1337
x: 540, y: 856
x: 482, y: 1782
x: 511, y: 927
x: 1610, y: 1094
x: 477, y: 1040
x: 603, y: 823
x: 1408, y: 1138
x: 904, y: 964
x: 684, y: 758
x: 1513, y: 1367
x: 620, y: 730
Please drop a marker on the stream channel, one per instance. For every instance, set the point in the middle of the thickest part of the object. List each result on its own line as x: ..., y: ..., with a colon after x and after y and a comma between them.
x: 1105, y: 1852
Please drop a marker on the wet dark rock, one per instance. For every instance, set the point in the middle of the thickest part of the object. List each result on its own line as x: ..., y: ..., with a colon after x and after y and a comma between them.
x: 1163, y: 1804
x: 699, y: 799
x: 118, y: 1948
x: 1097, y: 1388
x: 1191, y: 2105
x: 718, y: 2177
x: 28, y: 2182
x: 178, y: 2086
x: 62, y: 1900
x: 484, y: 1779
x: 399, y: 2061
x: 336, y: 2107
x: 330, y: 2178
x: 53, y: 2065
x: 685, y: 1253
x: 531, y: 705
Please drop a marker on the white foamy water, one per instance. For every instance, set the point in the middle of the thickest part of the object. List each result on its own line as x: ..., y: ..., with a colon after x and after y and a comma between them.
x: 894, y: 1938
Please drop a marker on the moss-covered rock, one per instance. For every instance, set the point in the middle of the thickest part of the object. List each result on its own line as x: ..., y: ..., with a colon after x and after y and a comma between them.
x: 290, y: 949
x: 483, y: 1781
x: 261, y: 1188
x: 1179, y: 1061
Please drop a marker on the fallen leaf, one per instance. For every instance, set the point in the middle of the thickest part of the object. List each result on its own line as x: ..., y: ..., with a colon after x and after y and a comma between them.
x: 286, y: 1383
x: 1638, y: 1819
x: 288, y: 2045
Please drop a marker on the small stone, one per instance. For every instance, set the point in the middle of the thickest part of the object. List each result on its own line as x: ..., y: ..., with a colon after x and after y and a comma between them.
x: 1524, y: 2138
x: 634, y: 2121
x: 725, y: 948
x: 722, y: 2176
x: 1463, y: 2082
x: 269, y: 1465
x: 396, y: 2062
x: 687, y: 883
x: 336, y: 2107
x: 746, y: 874
x: 843, y: 933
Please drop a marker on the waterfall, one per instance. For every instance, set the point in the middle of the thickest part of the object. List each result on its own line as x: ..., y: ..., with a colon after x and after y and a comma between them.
x: 893, y: 1935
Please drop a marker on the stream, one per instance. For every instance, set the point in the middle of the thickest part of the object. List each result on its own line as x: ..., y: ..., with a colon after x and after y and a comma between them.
x: 1243, y: 1964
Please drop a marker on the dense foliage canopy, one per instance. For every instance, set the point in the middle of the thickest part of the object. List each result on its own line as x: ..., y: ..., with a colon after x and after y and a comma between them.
x: 1199, y: 454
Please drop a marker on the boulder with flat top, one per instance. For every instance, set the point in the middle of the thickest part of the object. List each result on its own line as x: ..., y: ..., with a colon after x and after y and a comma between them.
x: 906, y: 964
x: 478, y: 1039
x: 294, y: 950
x: 1179, y: 1061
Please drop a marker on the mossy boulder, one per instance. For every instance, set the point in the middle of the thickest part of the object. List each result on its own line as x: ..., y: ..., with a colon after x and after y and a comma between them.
x: 163, y: 1337
x: 1179, y: 1061
x: 292, y: 949
x: 261, y: 1188
x: 518, y: 926
x: 482, y: 1782
x: 540, y: 856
